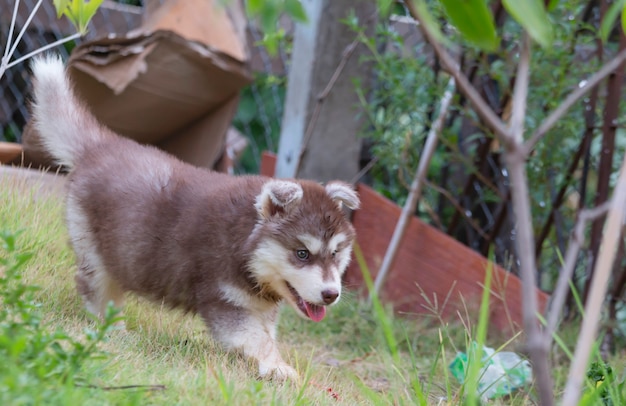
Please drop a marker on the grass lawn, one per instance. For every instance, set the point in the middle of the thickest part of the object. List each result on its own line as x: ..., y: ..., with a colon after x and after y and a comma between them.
x: 346, y: 359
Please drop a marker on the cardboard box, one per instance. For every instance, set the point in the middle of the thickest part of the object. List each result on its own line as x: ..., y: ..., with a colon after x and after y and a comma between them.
x: 174, y: 82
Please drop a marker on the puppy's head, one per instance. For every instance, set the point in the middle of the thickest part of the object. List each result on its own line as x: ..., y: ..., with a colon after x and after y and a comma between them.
x: 304, y: 242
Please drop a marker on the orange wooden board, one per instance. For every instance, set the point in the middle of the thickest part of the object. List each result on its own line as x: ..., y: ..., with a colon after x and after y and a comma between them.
x: 9, y: 151
x: 432, y: 264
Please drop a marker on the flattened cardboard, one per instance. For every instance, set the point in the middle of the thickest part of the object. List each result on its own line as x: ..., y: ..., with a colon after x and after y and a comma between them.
x: 153, y: 86
x: 215, y: 24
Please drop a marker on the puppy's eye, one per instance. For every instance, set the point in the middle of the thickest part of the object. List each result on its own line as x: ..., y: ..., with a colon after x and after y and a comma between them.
x: 334, y: 253
x: 302, y: 255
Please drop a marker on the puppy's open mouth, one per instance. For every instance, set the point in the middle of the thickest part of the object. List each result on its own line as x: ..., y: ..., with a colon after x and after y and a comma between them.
x: 313, y: 311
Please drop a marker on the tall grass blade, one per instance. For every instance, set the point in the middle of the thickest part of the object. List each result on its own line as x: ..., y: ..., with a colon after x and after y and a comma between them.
x: 379, y: 310
x: 475, y: 353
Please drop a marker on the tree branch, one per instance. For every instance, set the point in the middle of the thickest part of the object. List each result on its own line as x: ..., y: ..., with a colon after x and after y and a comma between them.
x: 6, y: 56
x: 569, y: 263
x: 524, y: 241
x: 602, y: 272
x: 481, y: 107
x: 415, y: 190
x: 345, y: 56
x: 572, y: 98
x: 23, y: 30
x: 520, y: 92
x: 44, y: 48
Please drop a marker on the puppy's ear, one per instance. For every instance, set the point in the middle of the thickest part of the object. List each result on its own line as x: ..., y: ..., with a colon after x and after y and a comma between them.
x: 342, y: 193
x: 278, y: 197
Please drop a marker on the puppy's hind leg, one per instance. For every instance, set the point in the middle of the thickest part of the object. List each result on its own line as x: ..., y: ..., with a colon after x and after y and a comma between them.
x: 96, y: 287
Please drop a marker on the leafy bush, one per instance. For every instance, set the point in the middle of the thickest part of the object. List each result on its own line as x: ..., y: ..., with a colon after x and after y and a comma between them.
x: 259, y: 117
x: 38, y: 366
x: 603, y: 386
x: 468, y: 194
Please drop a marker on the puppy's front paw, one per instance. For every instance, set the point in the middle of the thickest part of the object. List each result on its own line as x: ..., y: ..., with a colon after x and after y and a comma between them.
x: 279, y: 372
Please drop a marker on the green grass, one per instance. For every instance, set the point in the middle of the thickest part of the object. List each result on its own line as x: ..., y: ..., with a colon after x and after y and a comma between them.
x: 358, y: 355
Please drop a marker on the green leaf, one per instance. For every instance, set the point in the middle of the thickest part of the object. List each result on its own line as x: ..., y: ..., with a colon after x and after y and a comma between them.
x: 552, y: 4
x: 89, y: 9
x: 384, y: 6
x: 254, y: 6
x: 61, y: 6
x: 531, y: 14
x: 429, y: 22
x: 268, y: 17
x: 79, y: 12
x: 270, y: 43
x: 474, y: 20
x: 21, y: 259
x: 294, y: 9
x: 609, y: 19
x: 71, y: 13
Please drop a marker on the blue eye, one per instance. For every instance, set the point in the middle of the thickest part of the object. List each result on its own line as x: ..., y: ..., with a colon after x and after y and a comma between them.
x: 302, y: 255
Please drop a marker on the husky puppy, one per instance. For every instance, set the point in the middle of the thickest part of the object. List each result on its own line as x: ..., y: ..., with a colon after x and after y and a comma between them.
x: 230, y: 249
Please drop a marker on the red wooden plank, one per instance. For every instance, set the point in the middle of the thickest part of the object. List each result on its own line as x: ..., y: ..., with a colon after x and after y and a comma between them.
x: 268, y: 163
x: 432, y: 264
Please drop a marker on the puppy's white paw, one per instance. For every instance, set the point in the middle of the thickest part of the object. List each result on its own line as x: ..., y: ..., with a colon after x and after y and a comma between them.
x: 279, y: 372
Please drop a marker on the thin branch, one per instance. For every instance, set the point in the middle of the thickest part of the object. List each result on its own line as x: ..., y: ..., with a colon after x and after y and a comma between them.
x: 569, y: 264
x: 520, y: 92
x: 123, y: 387
x: 615, y: 295
x: 416, y: 188
x: 24, y: 28
x: 604, y: 170
x: 602, y: 272
x: 557, y: 200
x: 5, y: 57
x: 524, y: 241
x: 345, y: 56
x: 459, y: 209
x: 481, y: 107
x: 474, y: 170
x: 572, y: 98
x: 44, y: 48
x: 321, y: 97
x: 535, y: 344
x: 364, y: 170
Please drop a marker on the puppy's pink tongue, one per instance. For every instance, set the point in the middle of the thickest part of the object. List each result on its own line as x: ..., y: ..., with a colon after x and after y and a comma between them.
x: 315, y: 312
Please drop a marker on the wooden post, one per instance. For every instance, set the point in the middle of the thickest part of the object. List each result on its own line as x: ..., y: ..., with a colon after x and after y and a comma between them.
x: 319, y: 138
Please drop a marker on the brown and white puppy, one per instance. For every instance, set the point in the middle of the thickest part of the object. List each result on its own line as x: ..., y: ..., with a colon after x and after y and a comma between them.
x: 228, y: 248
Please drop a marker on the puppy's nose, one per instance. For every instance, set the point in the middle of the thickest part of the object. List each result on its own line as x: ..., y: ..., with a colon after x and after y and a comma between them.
x: 329, y: 296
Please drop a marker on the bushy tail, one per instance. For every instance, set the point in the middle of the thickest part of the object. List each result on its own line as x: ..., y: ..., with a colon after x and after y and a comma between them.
x: 66, y: 127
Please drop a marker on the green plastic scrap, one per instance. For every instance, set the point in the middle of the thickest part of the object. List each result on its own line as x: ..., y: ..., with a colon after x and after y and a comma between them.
x: 501, y: 372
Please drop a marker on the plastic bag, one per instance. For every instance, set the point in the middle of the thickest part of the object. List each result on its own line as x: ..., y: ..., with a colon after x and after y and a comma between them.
x: 501, y: 373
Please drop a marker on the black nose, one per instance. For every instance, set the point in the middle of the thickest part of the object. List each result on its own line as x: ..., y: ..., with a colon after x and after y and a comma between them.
x: 329, y: 296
